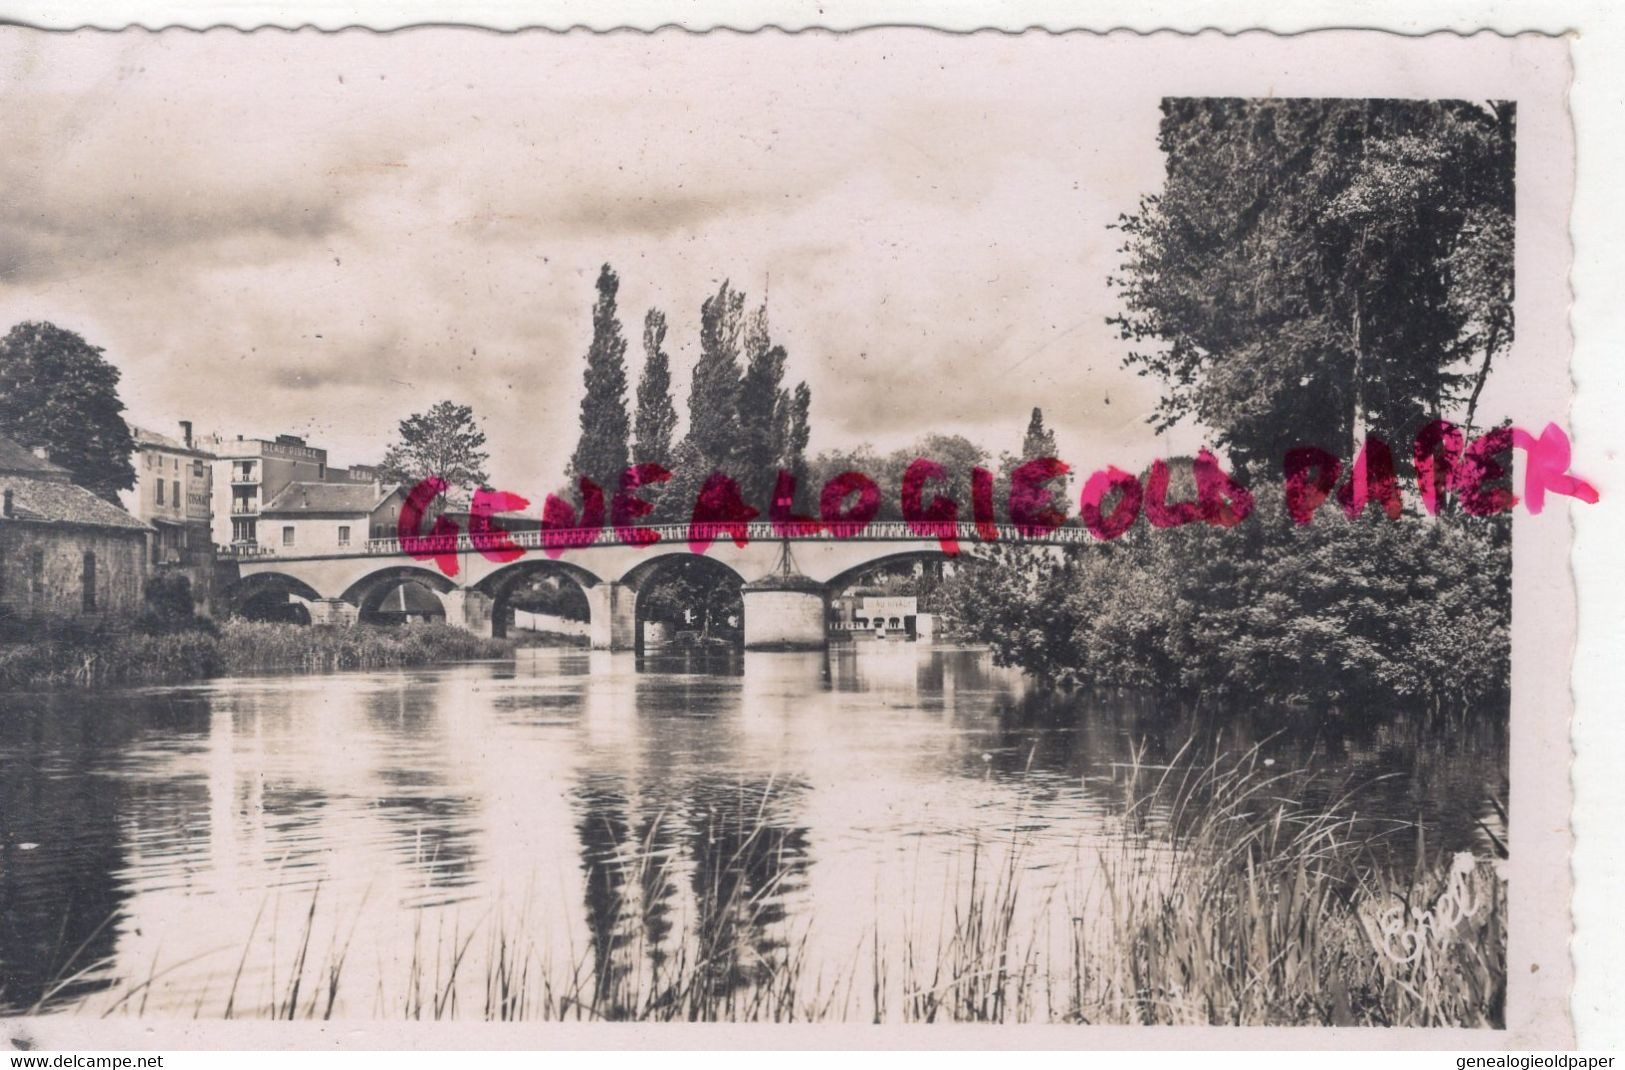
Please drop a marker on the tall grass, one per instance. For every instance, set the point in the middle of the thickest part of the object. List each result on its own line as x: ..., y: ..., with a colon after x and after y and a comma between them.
x: 79, y: 656
x: 1216, y: 900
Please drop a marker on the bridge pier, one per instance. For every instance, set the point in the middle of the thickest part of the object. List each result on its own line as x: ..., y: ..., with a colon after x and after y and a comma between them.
x: 786, y: 613
x: 330, y: 611
x: 613, y: 616
x: 468, y: 609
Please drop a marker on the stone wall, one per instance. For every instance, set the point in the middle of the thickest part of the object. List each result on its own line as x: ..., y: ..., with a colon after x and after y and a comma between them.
x: 42, y: 567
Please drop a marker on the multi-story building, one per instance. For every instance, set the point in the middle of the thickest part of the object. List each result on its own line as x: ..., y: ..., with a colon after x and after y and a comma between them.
x: 249, y: 472
x: 173, y: 492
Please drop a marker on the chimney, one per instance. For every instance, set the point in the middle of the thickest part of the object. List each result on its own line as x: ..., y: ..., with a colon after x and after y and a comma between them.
x: 186, y: 432
x: 42, y: 452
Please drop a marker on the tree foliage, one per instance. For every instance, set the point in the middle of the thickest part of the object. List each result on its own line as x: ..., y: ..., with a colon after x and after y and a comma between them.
x: 956, y: 453
x: 713, y: 397
x: 602, y: 451
x: 1316, y: 269
x: 445, y: 442
x: 1335, y: 611
x: 656, y: 419
x: 58, y: 391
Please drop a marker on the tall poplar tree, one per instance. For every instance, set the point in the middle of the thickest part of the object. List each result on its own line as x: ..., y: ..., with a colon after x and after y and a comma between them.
x: 656, y: 419
x: 799, y: 432
x: 764, y: 409
x: 713, y: 400
x: 602, y: 453
x: 1039, y: 440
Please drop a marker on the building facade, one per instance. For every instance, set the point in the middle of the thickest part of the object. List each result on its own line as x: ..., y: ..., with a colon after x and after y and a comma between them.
x: 880, y: 617
x: 64, y: 552
x: 329, y: 518
x: 174, y: 492
x: 251, y: 472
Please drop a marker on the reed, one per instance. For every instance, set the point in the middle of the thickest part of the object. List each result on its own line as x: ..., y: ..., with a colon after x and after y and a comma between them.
x: 108, y: 656
x: 1216, y: 900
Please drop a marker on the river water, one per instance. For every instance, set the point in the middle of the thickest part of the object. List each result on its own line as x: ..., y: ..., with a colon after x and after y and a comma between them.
x: 483, y: 839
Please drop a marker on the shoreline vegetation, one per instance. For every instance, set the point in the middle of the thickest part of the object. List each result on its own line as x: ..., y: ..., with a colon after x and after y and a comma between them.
x: 1342, y: 614
x: 73, y: 655
x: 1252, y: 911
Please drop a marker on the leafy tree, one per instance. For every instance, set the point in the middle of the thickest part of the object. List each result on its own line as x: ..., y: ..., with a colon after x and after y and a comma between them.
x: 799, y: 431
x: 57, y: 391
x: 1316, y: 269
x: 656, y: 417
x: 713, y: 434
x: 713, y: 399
x: 1334, y: 612
x: 957, y: 454
x: 602, y: 451
x: 445, y: 442
x: 764, y: 408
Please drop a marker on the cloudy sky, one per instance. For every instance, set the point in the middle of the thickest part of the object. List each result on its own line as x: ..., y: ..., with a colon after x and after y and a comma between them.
x: 321, y: 234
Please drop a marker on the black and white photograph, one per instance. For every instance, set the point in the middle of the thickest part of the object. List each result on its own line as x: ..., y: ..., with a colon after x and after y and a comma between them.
x: 851, y: 530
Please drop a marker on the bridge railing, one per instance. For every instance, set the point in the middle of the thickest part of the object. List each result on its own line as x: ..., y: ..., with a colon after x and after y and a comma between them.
x: 679, y: 534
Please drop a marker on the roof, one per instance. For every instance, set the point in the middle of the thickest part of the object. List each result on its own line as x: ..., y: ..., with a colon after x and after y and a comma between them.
x: 19, y: 460
x: 143, y: 437
x: 313, y: 499
x: 53, y: 501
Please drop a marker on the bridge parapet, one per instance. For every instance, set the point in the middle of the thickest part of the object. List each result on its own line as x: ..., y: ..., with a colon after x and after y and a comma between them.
x: 585, y: 538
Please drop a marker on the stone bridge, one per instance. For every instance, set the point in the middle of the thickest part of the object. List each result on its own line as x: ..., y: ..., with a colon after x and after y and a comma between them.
x: 787, y: 582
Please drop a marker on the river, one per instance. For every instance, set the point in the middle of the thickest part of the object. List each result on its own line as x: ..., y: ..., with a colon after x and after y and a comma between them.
x: 478, y: 839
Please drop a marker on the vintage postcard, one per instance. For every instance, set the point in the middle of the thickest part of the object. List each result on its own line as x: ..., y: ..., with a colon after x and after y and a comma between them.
x: 848, y: 535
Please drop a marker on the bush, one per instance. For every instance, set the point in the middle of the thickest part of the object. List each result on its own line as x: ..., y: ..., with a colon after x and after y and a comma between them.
x: 1416, y: 608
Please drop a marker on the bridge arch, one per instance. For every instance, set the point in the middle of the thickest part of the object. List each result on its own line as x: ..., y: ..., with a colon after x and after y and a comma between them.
x: 270, y: 596
x: 368, y: 593
x: 501, y: 585
x: 851, y: 576
x: 680, y: 591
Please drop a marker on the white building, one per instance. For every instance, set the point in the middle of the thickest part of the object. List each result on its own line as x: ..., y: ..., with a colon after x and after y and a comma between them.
x: 322, y: 518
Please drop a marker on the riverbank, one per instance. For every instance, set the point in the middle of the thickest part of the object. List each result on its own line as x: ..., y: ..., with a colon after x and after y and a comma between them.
x: 75, y: 656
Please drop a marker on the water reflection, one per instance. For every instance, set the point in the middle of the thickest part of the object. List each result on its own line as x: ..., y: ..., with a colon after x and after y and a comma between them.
x: 722, y: 819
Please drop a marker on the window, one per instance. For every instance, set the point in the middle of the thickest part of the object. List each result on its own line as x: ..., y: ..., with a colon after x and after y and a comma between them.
x: 287, y: 535
x: 174, y: 492
x: 344, y: 534
x: 36, y: 571
x: 158, y: 486
x: 89, y: 580
x: 197, y: 469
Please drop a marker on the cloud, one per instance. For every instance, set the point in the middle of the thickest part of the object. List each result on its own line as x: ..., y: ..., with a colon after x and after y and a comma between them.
x: 322, y: 234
